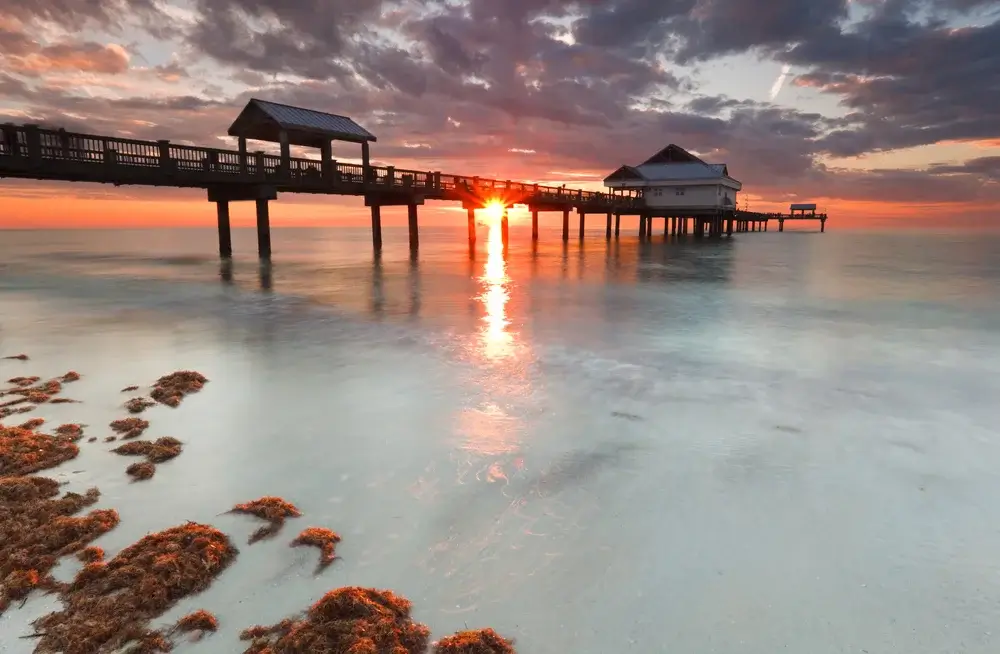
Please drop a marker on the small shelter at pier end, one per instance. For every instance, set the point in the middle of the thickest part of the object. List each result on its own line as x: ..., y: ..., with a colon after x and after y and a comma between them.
x: 286, y: 125
x: 673, y: 179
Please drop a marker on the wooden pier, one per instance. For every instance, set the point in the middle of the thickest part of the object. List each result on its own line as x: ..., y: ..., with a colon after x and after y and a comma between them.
x: 31, y: 152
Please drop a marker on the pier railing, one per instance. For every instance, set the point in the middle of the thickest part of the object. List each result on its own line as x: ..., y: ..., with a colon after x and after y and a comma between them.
x: 58, y: 154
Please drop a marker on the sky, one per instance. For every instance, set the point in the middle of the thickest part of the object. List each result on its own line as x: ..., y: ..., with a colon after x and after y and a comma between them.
x: 883, y: 112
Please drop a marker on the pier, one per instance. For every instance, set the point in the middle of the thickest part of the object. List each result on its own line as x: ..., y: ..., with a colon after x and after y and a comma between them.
x: 32, y: 152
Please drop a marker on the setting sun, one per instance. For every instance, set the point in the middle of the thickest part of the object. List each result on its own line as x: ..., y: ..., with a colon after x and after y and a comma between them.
x: 494, y: 211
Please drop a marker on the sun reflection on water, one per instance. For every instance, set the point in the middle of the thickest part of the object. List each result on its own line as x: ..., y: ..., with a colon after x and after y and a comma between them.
x: 497, y: 340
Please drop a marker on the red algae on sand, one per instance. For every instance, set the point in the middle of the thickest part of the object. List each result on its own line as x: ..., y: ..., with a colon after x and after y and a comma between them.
x: 350, y: 620
x: 36, y: 530
x: 130, y: 389
x: 24, y: 451
x: 91, y: 554
x: 129, y: 427
x: 34, y: 423
x: 272, y: 509
x: 171, y: 389
x: 158, y: 451
x: 72, y: 431
x: 478, y: 641
x: 17, y: 357
x: 199, y: 623
x: 110, y: 605
x: 324, y: 539
x: 70, y: 377
x: 139, y: 404
x: 23, y: 382
x: 141, y: 471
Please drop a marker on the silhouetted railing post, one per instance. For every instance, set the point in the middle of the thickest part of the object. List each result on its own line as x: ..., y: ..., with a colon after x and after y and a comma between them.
x: 33, y: 139
x: 390, y: 176
x: 166, y: 164
x: 261, y: 168
x: 243, y: 155
x: 110, y: 157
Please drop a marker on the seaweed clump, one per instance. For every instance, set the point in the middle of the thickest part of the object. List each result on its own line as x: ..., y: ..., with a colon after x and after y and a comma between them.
x: 32, y: 424
x: 70, y: 376
x: 141, y: 471
x: 37, y: 529
x: 171, y: 389
x: 355, y: 620
x: 158, y: 451
x: 109, y: 605
x: 163, y: 449
x: 23, y: 382
x: 198, y: 623
x: 130, y: 389
x: 17, y: 357
x: 91, y: 554
x: 139, y: 404
x: 324, y: 539
x: 129, y: 427
x: 72, y: 431
x: 477, y: 641
x: 272, y: 509
x: 25, y: 451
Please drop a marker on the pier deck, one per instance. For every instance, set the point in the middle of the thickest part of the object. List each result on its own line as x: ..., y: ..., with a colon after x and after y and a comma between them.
x: 31, y: 152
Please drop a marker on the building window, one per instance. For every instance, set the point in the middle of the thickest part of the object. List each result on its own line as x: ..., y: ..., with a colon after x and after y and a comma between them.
x: 657, y: 192
x: 680, y: 190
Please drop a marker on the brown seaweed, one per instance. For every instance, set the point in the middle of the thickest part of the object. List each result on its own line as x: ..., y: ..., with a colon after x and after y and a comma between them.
x: 323, y: 539
x: 350, y: 620
x: 477, y: 641
x: 272, y: 509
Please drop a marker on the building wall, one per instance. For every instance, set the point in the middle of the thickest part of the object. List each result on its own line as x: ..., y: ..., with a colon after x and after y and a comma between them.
x: 689, y: 196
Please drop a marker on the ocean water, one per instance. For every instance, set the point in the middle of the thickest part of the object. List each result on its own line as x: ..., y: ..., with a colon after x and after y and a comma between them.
x: 778, y: 442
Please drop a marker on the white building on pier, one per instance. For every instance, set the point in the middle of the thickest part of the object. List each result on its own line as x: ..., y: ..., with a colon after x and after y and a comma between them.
x: 673, y: 179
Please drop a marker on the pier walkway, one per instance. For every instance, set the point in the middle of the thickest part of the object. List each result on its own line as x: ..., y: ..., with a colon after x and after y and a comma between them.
x: 32, y: 152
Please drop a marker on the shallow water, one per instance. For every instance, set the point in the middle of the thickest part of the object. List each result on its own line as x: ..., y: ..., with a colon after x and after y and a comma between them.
x: 778, y: 441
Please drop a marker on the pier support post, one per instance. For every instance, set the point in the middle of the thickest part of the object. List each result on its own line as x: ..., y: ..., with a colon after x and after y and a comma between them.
x: 225, y: 235
x: 618, y: 224
x: 411, y: 214
x: 472, y: 226
x: 263, y: 230
x: 649, y: 228
x: 642, y: 227
x: 583, y: 221
x: 781, y: 225
x: 377, y: 227
x: 505, y: 228
x: 729, y: 226
x: 565, y: 225
x: 534, y: 224
x: 822, y: 225
x: 607, y: 232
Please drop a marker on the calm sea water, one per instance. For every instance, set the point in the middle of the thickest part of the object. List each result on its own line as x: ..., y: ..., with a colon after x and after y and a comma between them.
x: 775, y: 442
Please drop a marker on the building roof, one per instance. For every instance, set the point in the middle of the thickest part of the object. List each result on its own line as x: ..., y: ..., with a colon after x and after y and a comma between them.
x: 680, y: 171
x: 672, y: 163
x: 672, y: 154
x: 263, y: 121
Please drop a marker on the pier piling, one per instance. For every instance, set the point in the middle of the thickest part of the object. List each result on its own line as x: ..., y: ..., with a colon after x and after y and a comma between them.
x: 583, y: 221
x: 534, y: 224
x: 565, y: 233
x: 505, y: 229
x: 263, y: 230
x: 225, y: 234
x: 377, y: 227
x: 472, y: 226
x: 618, y: 224
x: 411, y: 214
x: 607, y: 231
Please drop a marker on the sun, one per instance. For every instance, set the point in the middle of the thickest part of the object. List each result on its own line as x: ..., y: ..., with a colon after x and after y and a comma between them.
x: 494, y: 210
